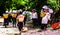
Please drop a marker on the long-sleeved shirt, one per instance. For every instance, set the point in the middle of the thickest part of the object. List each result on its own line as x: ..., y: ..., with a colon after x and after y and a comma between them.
x: 46, y: 18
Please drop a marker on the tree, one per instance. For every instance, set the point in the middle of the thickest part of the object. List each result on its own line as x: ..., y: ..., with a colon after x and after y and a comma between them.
x: 2, y: 7
x: 8, y: 4
x: 54, y: 4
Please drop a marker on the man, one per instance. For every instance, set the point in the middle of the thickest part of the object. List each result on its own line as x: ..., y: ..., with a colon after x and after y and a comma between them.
x: 14, y: 16
x: 5, y: 15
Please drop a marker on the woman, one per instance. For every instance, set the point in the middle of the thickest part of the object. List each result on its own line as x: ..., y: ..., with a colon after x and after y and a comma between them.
x: 34, y: 17
x: 20, y: 19
x: 45, y: 20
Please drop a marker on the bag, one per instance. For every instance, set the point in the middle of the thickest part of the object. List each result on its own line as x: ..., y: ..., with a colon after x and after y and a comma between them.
x: 42, y: 14
x: 5, y: 16
x: 25, y: 29
x: 13, y: 15
x: 20, y: 18
x: 56, y: 25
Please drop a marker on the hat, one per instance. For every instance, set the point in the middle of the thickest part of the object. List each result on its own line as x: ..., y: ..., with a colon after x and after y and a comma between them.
x: 45, y: 7
x: 34, y: 10
x: 14, y: 11
x: 20, y: 10
x: 6, y: 11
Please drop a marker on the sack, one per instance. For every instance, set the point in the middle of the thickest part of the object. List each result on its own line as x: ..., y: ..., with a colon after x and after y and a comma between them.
x: 42, y: 14
x: 56, y: 25
x: 25, y: 29
x: 5, y: 16
x: 20, y: 18
x: 14, y: 15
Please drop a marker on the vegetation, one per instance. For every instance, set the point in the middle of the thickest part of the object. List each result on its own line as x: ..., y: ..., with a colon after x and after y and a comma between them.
x: 55, y: 4
x: 37, y: 4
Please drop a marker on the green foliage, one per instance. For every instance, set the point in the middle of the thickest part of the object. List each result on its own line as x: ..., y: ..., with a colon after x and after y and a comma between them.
x: 8, y: 4
x: 37, y: 4
x: 54, y: 4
